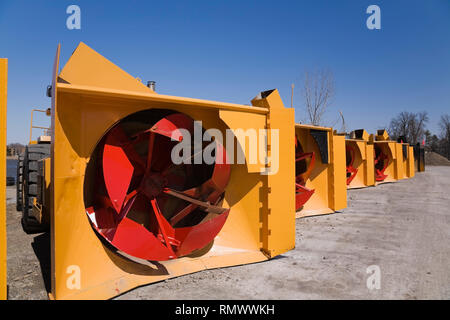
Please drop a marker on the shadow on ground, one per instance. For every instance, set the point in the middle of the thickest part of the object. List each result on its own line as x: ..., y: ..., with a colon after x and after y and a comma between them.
x: 41, y: 247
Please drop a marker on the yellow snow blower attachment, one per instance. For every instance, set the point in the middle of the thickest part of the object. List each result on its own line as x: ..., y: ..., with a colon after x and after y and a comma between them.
x: 359, y: 160
x: 3, y: 95
x: 319, y: 170
x: 146, y: 187
x: 408, y: 158
x: 387, y: 158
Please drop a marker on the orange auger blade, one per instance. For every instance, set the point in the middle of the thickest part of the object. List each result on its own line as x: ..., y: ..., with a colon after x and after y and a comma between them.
x: 350, y: 158
x: 302, y: 194
x: 159, y: 219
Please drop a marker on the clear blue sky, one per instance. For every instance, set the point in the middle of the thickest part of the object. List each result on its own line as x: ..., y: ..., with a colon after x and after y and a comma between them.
x: 231, y: 50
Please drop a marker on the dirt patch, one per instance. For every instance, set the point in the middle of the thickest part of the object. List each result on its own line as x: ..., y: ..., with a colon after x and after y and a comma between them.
x: 435, y: 159
x: 28, y: 258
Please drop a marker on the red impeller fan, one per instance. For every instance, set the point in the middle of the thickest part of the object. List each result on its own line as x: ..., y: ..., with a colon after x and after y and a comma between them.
x: 350, y: 159
x: 381, y: 162
x: 149, y: 207
x: 302, y: 173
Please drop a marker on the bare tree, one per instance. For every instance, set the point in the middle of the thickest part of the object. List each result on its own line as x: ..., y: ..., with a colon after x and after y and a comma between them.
x: 444, y: 124
x: 410, y: 125
x: 399, y: 125
x: 318, y: 91
x: 417, y: 126
x: 343, y: 127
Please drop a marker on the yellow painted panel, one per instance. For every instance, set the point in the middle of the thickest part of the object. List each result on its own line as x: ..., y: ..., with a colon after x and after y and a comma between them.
x: 410, y: 165
x: 3, y: 100
x: 339, y: 182
x: 248, y: 123
x: 370, y: 169
x: 87, y: 67
x: 281, y: 194
x: 399, y: 161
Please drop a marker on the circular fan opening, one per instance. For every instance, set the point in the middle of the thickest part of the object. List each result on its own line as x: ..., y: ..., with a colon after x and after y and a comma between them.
x: 146, y: 205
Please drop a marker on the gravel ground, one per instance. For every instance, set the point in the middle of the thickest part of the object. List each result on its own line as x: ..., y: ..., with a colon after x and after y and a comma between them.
x: 403, y: 228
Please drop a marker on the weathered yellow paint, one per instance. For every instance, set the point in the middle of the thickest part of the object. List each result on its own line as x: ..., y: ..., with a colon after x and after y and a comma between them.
x: 410, y: 171
x: 363, y: 161
x: 3, y: 100
x: 89, y: 96
x: 328, y: 180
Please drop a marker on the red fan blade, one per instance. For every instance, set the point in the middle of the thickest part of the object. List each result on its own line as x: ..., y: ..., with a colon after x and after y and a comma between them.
x: 197, y: 237
x: 164, y: 227
x: 135, y: 222
x: 222, y: 169
x: 128, y: 203
x: 118, y: 136
x: 117, y: 171
x: 351, y: 171
x: 151, y: 143
x: 135, y: 240
x: 169, y: 126
x: 302, y: 195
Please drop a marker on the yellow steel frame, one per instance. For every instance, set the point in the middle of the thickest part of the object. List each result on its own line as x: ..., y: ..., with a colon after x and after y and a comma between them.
x: 364, y: 162
x: 411, y: 162
x: 328, y: 180
x: 394, y: 170
x: 90, y: 95
x: 3, y: 99
x: 408, y: 162
x: 36, y: 127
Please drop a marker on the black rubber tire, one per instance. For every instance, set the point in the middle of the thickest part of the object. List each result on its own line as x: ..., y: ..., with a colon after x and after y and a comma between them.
x: 33, y: 153
x: 19, y: 178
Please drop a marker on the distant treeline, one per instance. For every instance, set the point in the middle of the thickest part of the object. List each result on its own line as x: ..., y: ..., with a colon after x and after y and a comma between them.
x: 412, y: 126
x: 13, y: 149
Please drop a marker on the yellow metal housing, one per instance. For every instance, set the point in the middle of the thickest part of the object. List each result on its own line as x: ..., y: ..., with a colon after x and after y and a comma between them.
x: 399, y: 163
x: 393, y: 150
x: 408, y: 160
x: 364, y: 159
x: 328, y: 177
x: 3, y: 98
x: 90, y: 95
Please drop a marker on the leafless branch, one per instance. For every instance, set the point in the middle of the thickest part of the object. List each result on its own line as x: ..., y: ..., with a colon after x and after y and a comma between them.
x: 318, y: 91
